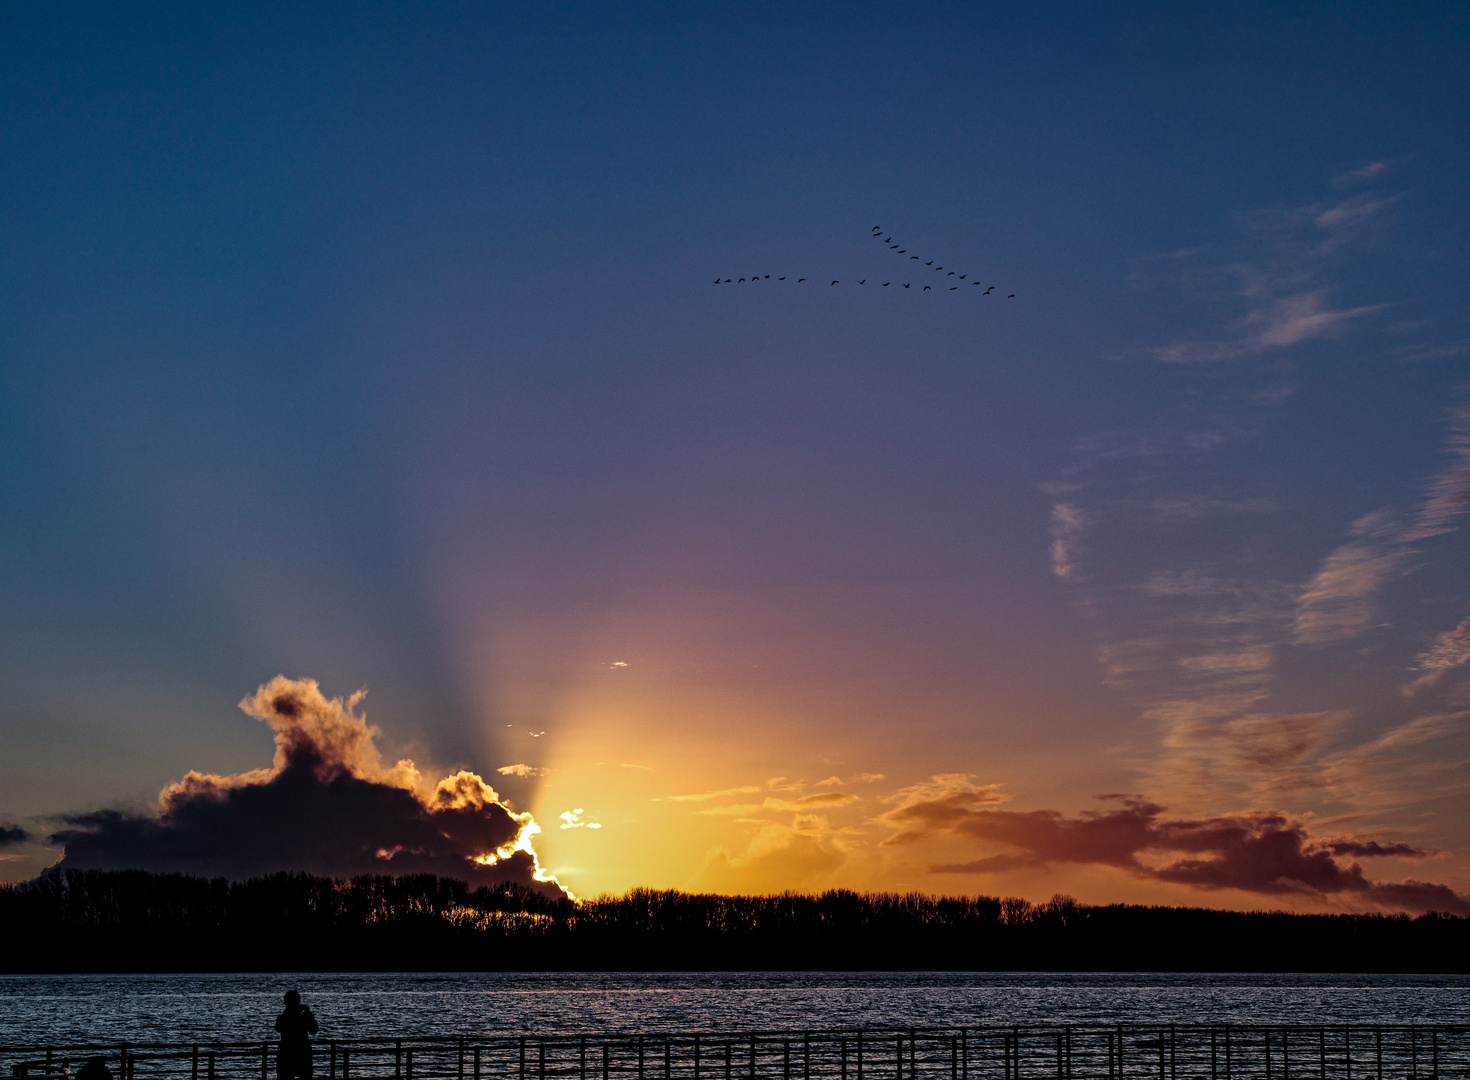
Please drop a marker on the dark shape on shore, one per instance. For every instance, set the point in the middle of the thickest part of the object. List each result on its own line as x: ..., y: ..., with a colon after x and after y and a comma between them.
x: 133, y: 921
x: 296, y: 1025
x: 95, y: 1069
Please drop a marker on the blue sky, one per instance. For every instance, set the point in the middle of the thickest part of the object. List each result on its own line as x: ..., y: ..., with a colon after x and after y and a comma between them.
x: 380, y: 346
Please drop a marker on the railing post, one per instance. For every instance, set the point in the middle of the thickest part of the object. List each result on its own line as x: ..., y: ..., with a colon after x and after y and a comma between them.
x: 540, y: 1059
x: 1378, y: 1032
x: 964, y: 1054
x: 844, y: 1059
x: 1214, y: 1072
x: 1268, y: 1054
x: 346, y: 1063
x: 582, y: 1059
x: 668, y: 1061
x: 408, y: 1065
x: 640, y: 1057
x: 459, y: 1064
x: 954, y: 1057
x: 1347, y: 1051
x: 1227, y: 1052
x: 1413, y: 1052
x: 806, y: 1057
x: 1322, y: 1053
x: 606, y: 1059
x: 752, y: 1056
x: 265, y: 1060
x: 1173, y: 1063
x: 397, y: 1059
x: 523, y: 1059
x: 860, y: 1054
x: 211, y: 1065
x: 476, y: 1065
x: 1285, y: 1055
x: 332, y: 1062
x: 1434, y: 1049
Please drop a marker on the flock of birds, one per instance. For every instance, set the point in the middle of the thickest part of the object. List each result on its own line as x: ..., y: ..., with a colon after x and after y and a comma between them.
x: 900, y: 249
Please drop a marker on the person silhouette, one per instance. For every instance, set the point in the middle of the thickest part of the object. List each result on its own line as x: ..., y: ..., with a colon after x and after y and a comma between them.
x: 296, y: 1026
x: 95, y: 1069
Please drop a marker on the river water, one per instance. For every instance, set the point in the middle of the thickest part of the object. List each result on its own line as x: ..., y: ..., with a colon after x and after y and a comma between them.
x: 59, y: 1009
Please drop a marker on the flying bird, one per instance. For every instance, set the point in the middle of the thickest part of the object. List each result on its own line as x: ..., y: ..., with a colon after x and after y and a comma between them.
x: 912, y: 256
x: 800, y: 280
x: 928, y: 287
x: 863, y: 282
x: 951, y: 274
x: 768, y: 277
x: 1011, y: 297
x: 988, y: 291
x: 886, y: 284
x: 952, y: 288
x: 834, y: 283
x: 780, y: 279
x: 905, y: 284
x: 929, y: 263
x: 741, y: 281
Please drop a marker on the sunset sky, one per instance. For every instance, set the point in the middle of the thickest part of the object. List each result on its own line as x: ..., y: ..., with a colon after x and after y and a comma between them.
x: 380, y: 345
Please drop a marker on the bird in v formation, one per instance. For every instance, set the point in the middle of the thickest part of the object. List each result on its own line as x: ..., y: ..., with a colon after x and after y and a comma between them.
x: 877, y: 235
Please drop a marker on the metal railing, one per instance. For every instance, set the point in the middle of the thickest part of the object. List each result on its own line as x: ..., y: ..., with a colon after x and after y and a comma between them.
x: 1050, y: 1052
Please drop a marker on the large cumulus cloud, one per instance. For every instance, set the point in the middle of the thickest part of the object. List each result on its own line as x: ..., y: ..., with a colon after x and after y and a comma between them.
x: 1267, y: 853
x: 327, y: 805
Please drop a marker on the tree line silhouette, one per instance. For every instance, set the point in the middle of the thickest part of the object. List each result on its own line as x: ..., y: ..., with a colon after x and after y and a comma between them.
x: 136, y: 921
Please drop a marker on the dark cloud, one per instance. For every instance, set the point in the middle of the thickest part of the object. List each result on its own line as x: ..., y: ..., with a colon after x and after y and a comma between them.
x: 10, y: 835
x: 1265, y: 853
x: 326, y: 806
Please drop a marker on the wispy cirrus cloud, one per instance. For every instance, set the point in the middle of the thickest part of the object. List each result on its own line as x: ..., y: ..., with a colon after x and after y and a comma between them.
x: 706, y: 796
x: 1450, y: 650
x: 823, y: 800
x: 1277, y: 324
x: 1337, y: 603
x: 1067, y: 523
x: 1448, y: 494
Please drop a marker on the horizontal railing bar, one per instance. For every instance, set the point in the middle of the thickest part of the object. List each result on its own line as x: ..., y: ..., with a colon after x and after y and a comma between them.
x: 681, y: 1037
